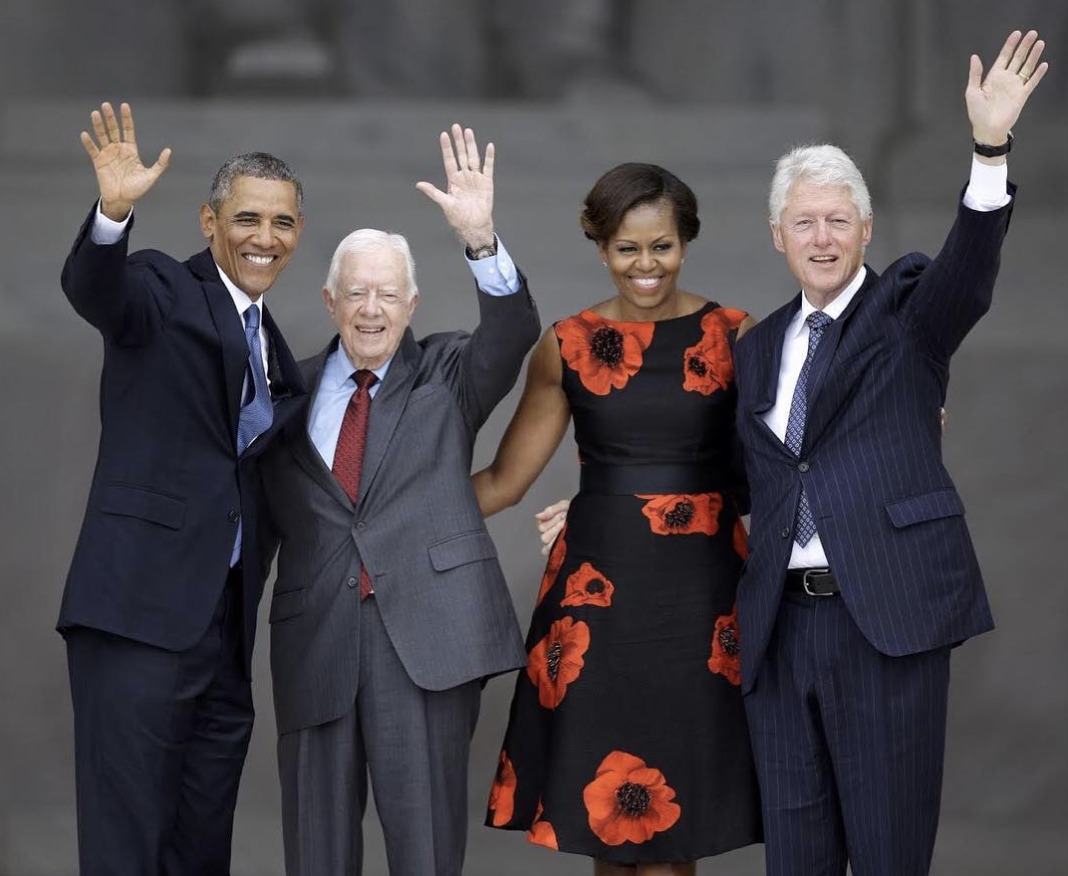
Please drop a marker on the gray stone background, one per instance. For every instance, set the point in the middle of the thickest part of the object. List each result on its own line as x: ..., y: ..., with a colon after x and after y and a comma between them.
x: 353, y: 94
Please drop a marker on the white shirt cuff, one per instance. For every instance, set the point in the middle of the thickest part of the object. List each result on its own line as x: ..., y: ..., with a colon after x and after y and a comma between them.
x: 107, y: 231
x: 988, y: 187
x: 496, y: 275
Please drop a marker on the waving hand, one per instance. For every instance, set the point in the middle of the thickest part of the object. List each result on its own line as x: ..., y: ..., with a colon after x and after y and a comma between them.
x: 468, y: 200
x: 995, y: 103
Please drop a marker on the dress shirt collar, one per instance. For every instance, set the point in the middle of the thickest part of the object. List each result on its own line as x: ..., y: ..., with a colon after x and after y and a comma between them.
x: 834, y: 310
x: 338, y: 371
x: 241, y: 301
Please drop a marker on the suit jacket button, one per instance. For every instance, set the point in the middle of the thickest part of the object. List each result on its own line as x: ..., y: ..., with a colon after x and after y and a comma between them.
x: 361, y: 525
x: 234, y: 516
x: 802, y: 466
x: 353, y: 581
x: 785, y: 533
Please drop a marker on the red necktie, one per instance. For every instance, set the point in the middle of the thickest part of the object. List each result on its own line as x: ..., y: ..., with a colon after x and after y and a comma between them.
x: 351, y: 442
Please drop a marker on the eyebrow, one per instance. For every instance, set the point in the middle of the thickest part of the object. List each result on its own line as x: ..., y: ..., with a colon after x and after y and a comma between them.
x: 252, y: 214
x: 619, y: 240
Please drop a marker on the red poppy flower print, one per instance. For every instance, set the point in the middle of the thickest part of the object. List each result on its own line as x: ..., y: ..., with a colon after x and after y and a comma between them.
x: 740, y: 539
x: 587, y: 586
x: 541, y: 833
x: 556, y: 660
x: 726, y: 659
x: 502, y: 794
x: 605, y: 354
x: 552, y: 568
x: 683, y: 514
x: 629, y: 801
x: 708, y: 366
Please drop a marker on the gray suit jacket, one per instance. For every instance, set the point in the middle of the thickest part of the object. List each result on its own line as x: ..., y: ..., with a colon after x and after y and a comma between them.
x: 416, y: 526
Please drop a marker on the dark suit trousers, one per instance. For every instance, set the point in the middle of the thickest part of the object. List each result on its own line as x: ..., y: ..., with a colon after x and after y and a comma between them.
x: 413, y: 742
x: 849, y: 745
x: 159, y: 742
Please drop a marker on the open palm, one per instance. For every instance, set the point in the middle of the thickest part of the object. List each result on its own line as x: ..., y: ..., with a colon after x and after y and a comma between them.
x: 120, y: 174
x: 995, y: 103
x: 468, y: 200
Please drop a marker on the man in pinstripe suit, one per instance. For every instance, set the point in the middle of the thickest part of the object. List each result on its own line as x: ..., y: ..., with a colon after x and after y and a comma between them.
x: 861, y: 573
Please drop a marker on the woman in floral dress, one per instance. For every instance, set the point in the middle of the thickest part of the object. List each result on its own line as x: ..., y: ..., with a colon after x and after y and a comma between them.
x: 627, y: 739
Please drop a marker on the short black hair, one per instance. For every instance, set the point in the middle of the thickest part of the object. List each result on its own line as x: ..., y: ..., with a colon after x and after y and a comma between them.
x: 255, y: 164
x: 631, y: 185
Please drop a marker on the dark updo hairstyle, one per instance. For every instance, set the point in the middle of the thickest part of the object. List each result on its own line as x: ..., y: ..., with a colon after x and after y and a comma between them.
x: 632, y: 185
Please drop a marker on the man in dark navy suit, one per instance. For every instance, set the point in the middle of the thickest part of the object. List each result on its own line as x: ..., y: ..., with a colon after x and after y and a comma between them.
x: 861, y: 573
x: 159, y: 609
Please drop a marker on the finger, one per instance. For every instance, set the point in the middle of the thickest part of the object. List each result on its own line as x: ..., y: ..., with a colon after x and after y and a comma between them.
x: 162, y: 163
x: 487, y: 168
x: 89, y: 145
x: 433, y: 192
x: 975, y: 72
x: 461, y: 148
x: 1005, y: 54
x: 1028, y: 68
x: 1036, y: 77
x: 127, y: 123
x: 111, y: 122
x: 472, y: 149
x: 447, y: 156
x: 98, y: 128
x: 1020, y: 55
x: 553, y: 509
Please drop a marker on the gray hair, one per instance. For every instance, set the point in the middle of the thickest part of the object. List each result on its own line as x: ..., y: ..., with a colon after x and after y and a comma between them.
x: 821, y: 165
x: 365, y: 240
x: 255, y: 164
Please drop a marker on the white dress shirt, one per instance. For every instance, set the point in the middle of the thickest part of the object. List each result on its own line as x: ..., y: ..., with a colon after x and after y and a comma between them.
x: 987, y: 190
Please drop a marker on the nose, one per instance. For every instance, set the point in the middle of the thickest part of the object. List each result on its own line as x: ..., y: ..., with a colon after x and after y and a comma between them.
x: 371, y: 305
x: 263, y: 236
x: 823, y: 233
x: 646, y: 262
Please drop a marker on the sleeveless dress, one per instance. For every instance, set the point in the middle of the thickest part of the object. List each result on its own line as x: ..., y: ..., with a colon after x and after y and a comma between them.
x: 627, y: 739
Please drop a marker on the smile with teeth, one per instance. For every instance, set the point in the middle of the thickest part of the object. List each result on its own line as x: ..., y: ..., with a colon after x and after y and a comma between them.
x: 645, y: 282
x: 824, y: 259
x: 261, y: 260
x: 370, y: 329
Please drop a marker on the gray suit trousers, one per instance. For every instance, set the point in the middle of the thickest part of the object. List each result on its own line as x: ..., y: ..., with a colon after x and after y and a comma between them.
x: 415, y: 745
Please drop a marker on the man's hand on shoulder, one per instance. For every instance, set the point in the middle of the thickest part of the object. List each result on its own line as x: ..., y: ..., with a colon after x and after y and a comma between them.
x: 121, y: 176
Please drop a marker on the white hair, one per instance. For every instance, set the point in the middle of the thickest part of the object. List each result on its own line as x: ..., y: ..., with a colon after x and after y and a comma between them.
x: 365, y: 240
x: 820, y: 165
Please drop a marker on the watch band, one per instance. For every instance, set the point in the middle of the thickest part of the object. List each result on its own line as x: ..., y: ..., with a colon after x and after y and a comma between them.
x: 483, y: 252
x: 994, y: 151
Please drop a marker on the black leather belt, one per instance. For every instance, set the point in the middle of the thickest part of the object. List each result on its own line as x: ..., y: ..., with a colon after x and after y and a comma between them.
x: 814, y: 582
x: 633, y: 479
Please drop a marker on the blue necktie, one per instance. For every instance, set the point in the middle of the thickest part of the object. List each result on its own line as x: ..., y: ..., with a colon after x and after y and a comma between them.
x: 257, y: 413
x: 795, y: 426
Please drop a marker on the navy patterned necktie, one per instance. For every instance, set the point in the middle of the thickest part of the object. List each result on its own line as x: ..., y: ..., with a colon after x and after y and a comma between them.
x: 817, y: 321
x: 257, y: 412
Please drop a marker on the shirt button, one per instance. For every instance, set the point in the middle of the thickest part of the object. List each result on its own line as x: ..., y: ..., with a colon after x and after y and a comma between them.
x: 785, y: 533
x: 361, y: 525
x: 802, y: 467
x: 234, y: 516
x: 353, y: 582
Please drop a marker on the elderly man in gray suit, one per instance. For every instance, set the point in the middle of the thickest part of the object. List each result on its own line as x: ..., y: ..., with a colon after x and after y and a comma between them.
x: 390, y: 607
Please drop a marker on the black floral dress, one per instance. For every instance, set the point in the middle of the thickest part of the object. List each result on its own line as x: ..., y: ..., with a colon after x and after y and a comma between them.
x: 627, y: 739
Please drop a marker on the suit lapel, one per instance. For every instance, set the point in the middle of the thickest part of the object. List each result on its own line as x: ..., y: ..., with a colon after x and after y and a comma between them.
x: 771, y: 354
x: 387, y: 407
x: 231, y: 333
x: 299, y: 440
x: 822, y: 362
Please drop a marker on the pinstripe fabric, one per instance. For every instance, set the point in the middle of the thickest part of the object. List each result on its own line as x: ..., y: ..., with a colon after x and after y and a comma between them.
x: 848, y: 743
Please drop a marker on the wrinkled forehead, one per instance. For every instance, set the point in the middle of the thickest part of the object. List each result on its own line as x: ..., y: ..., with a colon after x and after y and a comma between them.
x: 376, y: 266
x: 806, y: 196
x: 266, y: 197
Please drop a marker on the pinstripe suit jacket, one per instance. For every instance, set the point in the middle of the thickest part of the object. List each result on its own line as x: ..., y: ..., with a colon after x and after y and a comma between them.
x: 416, y: 526
x: 888, y: 515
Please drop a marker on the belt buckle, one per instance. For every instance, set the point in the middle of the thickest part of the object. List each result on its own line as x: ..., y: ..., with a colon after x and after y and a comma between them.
x: 804, y: 581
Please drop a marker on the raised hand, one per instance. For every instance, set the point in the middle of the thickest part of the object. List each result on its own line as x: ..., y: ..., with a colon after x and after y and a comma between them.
x: 468, y: 201
x: 119, y: 172
x: 994, y: 103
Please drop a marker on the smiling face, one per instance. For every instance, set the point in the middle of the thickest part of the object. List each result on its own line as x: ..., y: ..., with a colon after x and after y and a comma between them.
x: 644, y: 257
x: 823, y: 237
x: 254, y: 232
x: 371, y: 306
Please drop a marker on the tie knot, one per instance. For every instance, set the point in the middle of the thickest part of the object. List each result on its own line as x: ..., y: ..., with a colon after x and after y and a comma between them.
x: 364, y: 379
x: 252, y: 318
x: 818, y: 321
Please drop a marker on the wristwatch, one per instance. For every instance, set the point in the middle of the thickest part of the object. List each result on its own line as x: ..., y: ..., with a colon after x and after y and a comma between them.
x: 994, y: 151
x: 483, y: 252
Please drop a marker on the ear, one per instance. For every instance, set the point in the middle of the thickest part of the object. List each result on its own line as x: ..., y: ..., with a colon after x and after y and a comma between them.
x: 328, y: 300
x: 776, y: 235
x: 868, y: 228
x: 413, y: 302
x: 207, y: 221
x: 602, y: 252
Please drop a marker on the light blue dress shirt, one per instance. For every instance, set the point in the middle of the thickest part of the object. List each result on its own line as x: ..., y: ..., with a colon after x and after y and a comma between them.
x: 495, y: 276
